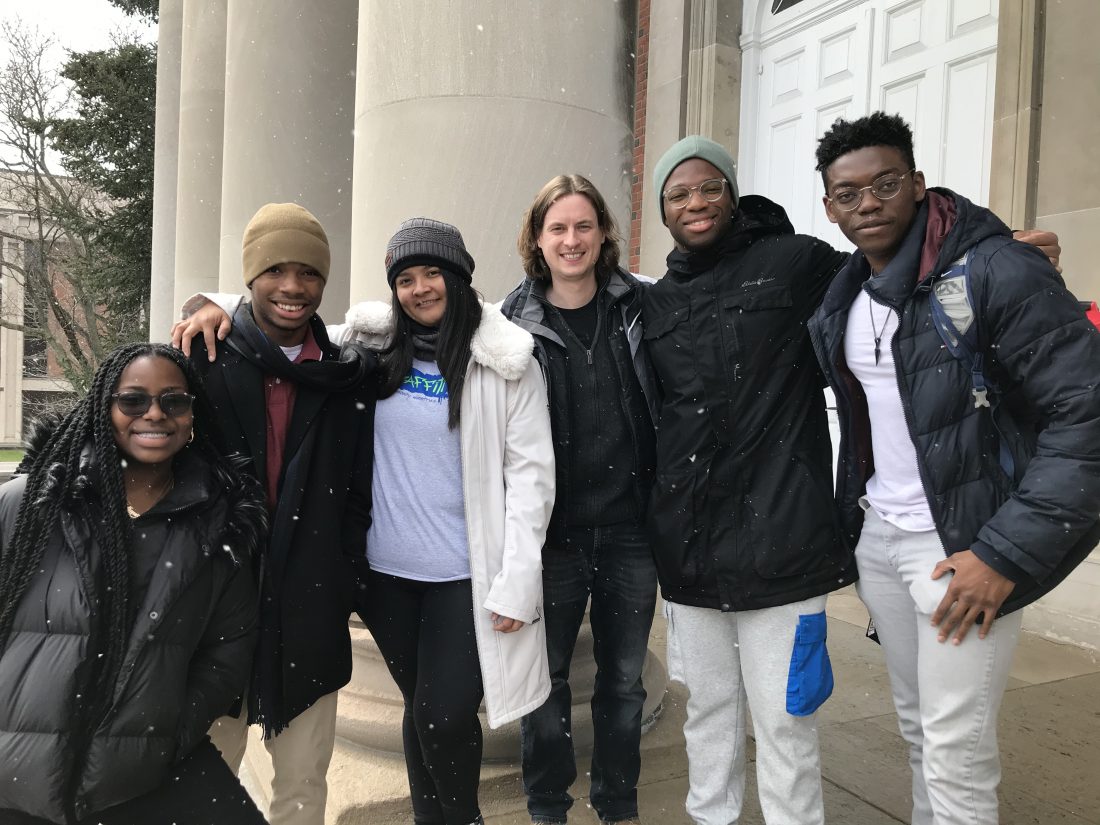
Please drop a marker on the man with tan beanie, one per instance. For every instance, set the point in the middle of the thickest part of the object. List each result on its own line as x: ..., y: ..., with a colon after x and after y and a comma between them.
x: 300, y: 410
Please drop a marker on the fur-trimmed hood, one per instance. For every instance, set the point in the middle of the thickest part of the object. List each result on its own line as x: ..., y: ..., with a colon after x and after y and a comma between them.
x: 497, y: 344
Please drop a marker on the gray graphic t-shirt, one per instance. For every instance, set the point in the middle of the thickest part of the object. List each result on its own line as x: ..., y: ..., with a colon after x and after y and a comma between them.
x: 419, y: 525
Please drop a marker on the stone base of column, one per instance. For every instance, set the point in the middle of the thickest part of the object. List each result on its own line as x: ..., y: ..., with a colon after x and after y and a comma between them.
x: 371, y: 706
x: 367, y: 780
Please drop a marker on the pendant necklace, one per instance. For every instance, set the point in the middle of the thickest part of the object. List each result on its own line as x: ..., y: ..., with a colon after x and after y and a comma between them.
x: 877, y: 333
x: 169, y: 483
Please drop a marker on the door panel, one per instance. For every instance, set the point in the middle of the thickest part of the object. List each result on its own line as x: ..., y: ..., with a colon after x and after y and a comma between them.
x: 932, y: 61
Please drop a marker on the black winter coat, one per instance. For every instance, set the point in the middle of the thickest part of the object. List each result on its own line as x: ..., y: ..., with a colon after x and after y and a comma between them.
x: 742, y: 515
x: 525, y: 306
x: 186, y: 660
x: 317, y: 544
x: 1044, y: 355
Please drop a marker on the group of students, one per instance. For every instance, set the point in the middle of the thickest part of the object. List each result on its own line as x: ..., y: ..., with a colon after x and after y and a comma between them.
x: 471, y: 478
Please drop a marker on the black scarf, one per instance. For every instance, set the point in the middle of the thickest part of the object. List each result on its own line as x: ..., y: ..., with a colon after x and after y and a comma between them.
x: 425, y: 341
x: 331, y: 375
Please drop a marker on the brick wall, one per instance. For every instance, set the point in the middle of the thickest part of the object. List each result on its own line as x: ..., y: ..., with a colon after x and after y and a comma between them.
x: 641, y: 86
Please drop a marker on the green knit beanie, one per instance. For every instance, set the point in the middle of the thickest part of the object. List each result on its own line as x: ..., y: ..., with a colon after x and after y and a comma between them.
x: 694, y: 146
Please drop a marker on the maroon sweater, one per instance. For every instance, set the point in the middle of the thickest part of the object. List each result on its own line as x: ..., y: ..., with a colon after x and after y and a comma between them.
x: 279, y: 396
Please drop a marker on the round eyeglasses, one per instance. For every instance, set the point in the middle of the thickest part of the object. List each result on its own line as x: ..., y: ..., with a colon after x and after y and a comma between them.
x: 848, y: 198
x: 172, y: 403
x: 709, y: 190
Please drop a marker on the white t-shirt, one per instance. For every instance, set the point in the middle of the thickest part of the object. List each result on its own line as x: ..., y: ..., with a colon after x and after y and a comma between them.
x: 895, y: 490
x: 292, y: 352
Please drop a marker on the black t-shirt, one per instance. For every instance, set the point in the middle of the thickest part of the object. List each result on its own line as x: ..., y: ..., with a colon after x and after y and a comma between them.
x: 582, y: 321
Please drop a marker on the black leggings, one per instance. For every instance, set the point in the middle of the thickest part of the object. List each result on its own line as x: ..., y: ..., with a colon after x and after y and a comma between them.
x: 425, y: 632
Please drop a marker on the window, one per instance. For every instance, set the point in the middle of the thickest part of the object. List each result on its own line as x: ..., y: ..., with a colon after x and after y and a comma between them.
x: 783, y: 5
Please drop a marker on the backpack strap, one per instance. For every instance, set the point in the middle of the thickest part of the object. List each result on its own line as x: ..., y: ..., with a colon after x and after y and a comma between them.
x: 954, y: 314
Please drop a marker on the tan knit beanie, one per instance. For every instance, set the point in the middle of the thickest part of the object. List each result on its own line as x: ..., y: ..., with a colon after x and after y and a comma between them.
x: 282, y: 233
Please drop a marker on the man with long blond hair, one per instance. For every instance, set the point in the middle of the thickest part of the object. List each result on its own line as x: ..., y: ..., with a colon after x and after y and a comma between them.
x: 583, y: 310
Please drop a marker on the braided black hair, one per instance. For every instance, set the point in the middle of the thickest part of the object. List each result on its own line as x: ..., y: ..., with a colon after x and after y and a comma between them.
x: 876, y: 129
x: 59, y: 478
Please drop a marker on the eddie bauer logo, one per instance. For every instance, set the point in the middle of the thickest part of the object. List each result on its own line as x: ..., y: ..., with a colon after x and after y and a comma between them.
x: 757, y: 282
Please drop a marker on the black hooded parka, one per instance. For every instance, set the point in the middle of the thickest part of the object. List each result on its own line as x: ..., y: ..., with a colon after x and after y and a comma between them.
x: 742, y: 515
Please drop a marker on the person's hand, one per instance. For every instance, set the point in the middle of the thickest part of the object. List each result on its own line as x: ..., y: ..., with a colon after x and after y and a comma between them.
x: 976, y: 588
x: 502, y: 624
x: 211, y: 321
x: 1046, y: 241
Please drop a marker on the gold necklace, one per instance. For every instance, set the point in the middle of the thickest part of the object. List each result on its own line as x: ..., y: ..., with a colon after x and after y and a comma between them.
x: 169, y: 483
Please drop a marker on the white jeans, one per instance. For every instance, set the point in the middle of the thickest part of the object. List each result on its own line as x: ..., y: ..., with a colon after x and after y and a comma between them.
x: 726, y: 660
x: 300, y: 756
x: 947, y: 696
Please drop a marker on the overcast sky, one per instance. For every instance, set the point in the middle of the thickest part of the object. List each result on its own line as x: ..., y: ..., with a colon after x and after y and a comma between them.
x: 75, y: 25
x: 78, y: 25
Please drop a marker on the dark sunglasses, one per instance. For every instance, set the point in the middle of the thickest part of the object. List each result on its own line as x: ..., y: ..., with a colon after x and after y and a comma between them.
x: 134, y: 402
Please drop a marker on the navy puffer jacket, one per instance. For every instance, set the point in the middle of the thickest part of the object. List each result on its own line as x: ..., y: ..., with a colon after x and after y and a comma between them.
x: 1043, y: 354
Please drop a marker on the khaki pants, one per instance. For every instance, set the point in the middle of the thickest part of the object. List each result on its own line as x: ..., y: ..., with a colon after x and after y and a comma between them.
x: 300, y: 756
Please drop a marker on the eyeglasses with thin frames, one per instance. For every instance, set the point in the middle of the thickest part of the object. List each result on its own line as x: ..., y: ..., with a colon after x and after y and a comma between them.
x: 709, y: 190
x: 848, y: 198
x: 172, y: 403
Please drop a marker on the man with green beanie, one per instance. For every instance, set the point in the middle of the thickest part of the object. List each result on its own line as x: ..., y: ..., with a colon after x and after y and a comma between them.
x: 742, y: 521
x: 746, y: 535
x: 300, y: 411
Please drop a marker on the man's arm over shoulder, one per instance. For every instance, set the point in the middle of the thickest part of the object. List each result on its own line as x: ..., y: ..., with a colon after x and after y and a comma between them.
x: 1051, y: 354
x: 818, y: 263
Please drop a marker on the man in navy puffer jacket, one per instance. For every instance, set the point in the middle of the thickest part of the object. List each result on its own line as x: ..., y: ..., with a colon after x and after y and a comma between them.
x: 948, y: 535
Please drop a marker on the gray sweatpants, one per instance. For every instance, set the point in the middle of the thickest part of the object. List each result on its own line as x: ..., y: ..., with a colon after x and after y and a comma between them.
x: 727, y: 660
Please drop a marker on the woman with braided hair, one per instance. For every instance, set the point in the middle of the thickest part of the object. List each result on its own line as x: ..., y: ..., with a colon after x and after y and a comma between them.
x: 127, y: 606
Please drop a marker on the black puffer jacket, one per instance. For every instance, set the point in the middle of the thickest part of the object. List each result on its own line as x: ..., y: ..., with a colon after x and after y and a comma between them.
x: 639, y: 402
x: 1045, y: 356
x: 187, y: 657
x: 742, y: 515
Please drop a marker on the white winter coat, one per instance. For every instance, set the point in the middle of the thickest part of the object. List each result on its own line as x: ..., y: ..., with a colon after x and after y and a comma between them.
x: 508, y: 486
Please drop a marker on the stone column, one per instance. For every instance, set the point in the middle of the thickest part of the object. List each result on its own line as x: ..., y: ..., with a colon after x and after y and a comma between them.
x: 465, y: 116
x: 1047, y: 108
x: 1017, y: 109
x: 162, y: 310
x: 289, y: 99
x: 199, y: 177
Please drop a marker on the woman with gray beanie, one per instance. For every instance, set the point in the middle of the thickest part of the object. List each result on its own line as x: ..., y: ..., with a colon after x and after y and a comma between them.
x: 463, y: 488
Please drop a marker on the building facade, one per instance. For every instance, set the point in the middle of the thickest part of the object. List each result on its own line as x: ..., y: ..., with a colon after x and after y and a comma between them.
x: 31, y: 379
x: 372, y: 111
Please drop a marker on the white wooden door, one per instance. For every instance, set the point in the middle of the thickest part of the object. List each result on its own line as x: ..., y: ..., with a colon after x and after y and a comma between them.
x: 932, y: 61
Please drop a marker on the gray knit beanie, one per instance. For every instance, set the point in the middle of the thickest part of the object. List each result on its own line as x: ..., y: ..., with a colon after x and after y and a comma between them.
x: 424, y: 242
x: 694, y: 146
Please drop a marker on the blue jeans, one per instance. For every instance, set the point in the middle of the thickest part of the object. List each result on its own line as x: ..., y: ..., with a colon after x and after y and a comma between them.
x: 614, y: 566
